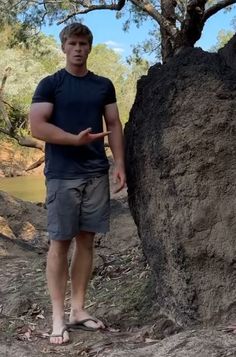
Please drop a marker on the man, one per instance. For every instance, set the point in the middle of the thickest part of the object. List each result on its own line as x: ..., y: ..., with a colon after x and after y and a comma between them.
x: 67, y: 113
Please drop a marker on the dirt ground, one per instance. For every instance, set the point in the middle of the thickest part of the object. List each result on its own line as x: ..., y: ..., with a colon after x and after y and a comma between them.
x: 121, y: 293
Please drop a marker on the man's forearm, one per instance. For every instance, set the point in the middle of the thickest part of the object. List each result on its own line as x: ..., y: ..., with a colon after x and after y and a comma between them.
x: 52, y: 134
x: 116, y: 143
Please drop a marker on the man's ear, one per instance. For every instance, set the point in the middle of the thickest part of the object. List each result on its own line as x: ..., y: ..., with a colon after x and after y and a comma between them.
x: 62, y: 48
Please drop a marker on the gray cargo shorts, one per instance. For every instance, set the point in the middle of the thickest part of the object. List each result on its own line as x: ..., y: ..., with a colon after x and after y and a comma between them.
x: 77, y: 205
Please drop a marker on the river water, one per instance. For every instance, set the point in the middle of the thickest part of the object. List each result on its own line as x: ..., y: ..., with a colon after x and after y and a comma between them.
x: 27, y: 188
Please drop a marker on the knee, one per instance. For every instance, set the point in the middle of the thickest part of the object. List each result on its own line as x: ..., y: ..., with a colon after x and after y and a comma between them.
x: 85, y: 241
x: 58, y: 250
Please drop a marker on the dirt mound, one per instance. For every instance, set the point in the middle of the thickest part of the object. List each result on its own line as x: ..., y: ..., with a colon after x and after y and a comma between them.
x: 181, y: 146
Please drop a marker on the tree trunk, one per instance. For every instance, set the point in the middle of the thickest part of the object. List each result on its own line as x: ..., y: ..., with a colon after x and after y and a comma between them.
x: 190, y: 31
x: 181, y: 160
x: 192, y: 26
x: 168, y: 11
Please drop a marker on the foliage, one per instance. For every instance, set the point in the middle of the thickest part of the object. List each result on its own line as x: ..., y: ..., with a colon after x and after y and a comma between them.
x: 222, y: 38
x: 27, y: 67
x: 180, y: 22
x: 106, y: 62
x: 152, y: 45
x: 30, y: 62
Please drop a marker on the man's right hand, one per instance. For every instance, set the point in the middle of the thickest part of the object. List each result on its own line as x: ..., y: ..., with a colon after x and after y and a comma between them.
x: 42, y: 129
x: 86, y: 137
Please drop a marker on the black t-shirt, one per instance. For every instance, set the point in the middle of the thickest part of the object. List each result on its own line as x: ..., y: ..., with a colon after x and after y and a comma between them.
x: 78, y: 103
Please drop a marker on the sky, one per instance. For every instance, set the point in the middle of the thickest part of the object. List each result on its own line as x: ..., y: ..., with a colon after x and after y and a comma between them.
x: 108, y: 30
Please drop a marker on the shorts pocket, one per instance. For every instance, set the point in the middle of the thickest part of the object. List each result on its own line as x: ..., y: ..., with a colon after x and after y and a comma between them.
x: 50, y: 198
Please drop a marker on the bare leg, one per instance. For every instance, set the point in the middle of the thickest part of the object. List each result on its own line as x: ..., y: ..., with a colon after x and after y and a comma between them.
x: 57, y: 275
x: 81, y: 269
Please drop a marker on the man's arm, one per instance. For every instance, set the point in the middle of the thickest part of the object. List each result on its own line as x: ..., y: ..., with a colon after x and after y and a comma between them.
x: 116, y: 143
x: 40, y: 114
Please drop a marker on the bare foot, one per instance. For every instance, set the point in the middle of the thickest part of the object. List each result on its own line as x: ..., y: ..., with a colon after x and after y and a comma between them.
x: 59, y: 334
x: 80, y: 315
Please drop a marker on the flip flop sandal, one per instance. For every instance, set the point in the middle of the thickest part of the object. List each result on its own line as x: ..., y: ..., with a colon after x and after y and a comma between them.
x: 80, y: 325
x: 60, y: 335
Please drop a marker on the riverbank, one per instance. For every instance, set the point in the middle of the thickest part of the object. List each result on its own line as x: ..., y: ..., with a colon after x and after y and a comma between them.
x: 15, y: 159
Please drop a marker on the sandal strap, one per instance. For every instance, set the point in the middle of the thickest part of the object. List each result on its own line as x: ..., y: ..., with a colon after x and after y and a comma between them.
x: 62, y: 333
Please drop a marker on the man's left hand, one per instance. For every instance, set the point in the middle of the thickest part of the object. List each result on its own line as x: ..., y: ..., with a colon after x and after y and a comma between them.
x: 119, y: 178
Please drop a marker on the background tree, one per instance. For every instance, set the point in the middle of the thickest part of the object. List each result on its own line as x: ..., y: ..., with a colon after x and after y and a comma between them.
x: 21, y: 66
x: 23, y: 62
x: 181, y: 22
x: 223, y: 38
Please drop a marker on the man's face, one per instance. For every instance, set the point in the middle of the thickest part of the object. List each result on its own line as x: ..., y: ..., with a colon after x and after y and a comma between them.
x: 77, y: 49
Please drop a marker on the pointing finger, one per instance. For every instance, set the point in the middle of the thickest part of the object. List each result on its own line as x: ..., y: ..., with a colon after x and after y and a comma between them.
x: 88, y: 130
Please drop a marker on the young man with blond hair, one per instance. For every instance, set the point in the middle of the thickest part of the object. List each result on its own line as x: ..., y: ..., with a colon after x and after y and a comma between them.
x: 67, y: 113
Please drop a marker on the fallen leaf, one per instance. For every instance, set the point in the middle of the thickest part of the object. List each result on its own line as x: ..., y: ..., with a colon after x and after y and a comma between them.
x: 91, y: 304
x: 110, y: 329
x: 44, y: 335
x: 28, y: 335
x: 149, y: 340
x: 40, y: 316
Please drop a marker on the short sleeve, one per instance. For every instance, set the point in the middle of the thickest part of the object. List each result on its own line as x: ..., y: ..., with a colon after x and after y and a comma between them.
x: 44, y: 91
x: 111, y: 93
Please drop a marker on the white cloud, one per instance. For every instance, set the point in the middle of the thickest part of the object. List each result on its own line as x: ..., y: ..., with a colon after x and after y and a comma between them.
x: 118, y: 49
x: 115, y: 46
x: 111, y: 43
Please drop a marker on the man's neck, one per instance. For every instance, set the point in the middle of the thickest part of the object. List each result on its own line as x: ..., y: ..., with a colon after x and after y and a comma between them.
x: 77, y: 71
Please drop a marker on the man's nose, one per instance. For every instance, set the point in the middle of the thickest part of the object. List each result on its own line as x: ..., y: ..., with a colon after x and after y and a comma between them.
x: 78, y: 47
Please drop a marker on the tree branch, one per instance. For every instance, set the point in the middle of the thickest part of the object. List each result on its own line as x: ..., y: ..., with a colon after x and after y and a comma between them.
x: 30, y: 142
x: 6, y: 74
x: 182, y: 6
x: 87, y: 7
x: 2, y: 107
x: 217, y: 7
x: 36, y: 164
x: 196, y: 7
x: 27, y: 141
x: 10, y: 130
x: 147, y: 7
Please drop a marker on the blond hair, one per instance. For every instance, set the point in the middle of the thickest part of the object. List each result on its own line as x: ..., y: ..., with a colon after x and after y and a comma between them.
x: 77, y: 29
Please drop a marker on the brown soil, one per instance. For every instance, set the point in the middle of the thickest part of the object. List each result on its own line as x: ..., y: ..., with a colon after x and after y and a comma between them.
x: 121, y: 293
x: 14, y: 159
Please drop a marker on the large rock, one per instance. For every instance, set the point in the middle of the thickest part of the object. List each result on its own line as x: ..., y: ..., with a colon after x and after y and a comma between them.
x: 181, y: 168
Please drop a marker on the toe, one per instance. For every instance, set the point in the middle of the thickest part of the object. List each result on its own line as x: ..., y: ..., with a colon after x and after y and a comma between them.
x: 65, y: 337
x: 100, y: 324
x: 58, y: 340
